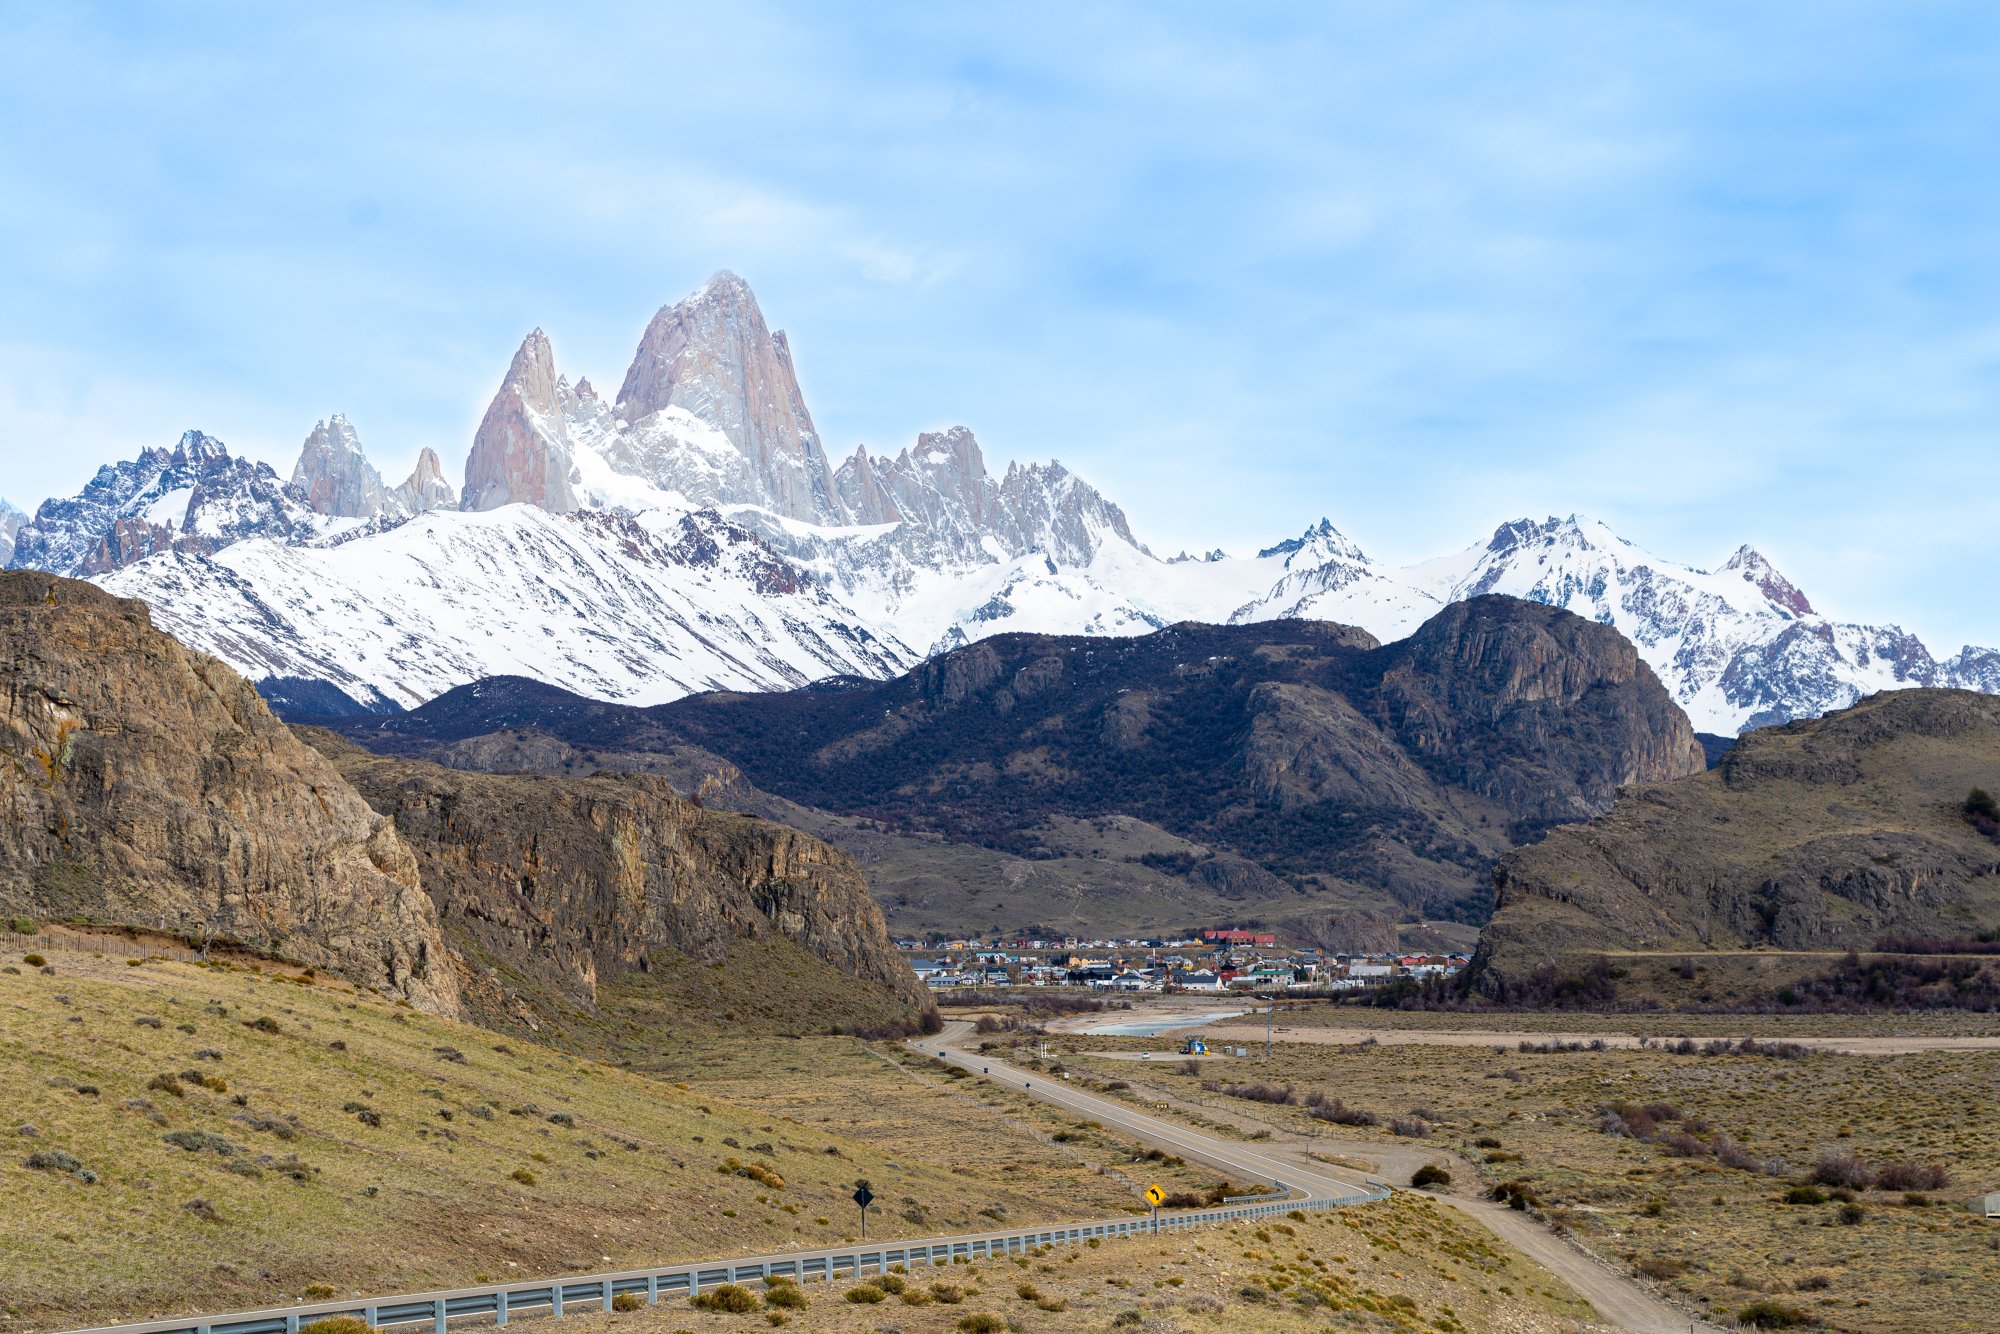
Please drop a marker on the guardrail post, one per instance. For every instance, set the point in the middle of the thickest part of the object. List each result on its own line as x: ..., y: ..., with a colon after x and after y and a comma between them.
x: 437, y: 1315
x: 606, y: 1285
x: 555, y: 1299
x: 499, y: 1309
x: 652, y: 1289
x: 694, y: 1283
x: 291, y: 1324
x: 367, y: 1314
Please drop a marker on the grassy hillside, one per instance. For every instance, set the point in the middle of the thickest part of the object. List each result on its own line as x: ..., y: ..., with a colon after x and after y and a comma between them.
x: 320, y: 1134
x: 1817, y: 836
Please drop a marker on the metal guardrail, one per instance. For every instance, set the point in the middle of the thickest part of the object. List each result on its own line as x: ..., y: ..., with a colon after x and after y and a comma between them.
x: 552, y: 1297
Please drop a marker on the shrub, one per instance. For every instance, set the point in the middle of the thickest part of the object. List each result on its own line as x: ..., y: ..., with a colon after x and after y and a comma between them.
x: 916, y: 1297
x: 524, y: 1176
x: 23, y: 926
x: 53, y: 1160
x: 866, y: 1295
x: 562, y: 1119
x: 1027, y: 1292
x: 1278, y: 1094
x: 262, y: 1024
x: 336, y: 1324
x: 733, y: 1298
x: 948, y: 1293
x: 890, y: 1283
x: 1515, y: 1195
x: 203, y: 1210
x: 317, y: 1292
x: 627, y: 1302
x: 1911, y: 1176
x: 1325, y: 1108
x: 1805, y: 1195
x: 1852, y: 1213
x: 34, y: 960
x: 1768, y: 1314
x: 1842, y: 1169
x: 1430, y: 1174
x: 789, y: 1296
x: 1409, y: 1127
x: 981, y: 1322
x: 194, y: 1141
x: 1661, y: 1267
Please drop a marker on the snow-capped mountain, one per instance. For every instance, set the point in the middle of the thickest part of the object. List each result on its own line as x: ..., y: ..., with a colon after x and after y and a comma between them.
x: 335, y: 478
x: 694, y: 535
x: 643, y: 608
x: 11, y: 520
x: 195, y: 497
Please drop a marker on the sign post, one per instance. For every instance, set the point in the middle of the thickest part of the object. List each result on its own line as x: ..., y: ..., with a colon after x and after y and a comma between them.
x: 863, y: 1196
x: 1155, y: 1197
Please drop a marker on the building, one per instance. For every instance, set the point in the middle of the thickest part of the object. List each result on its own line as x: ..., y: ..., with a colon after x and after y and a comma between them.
x: 1986, y: 1206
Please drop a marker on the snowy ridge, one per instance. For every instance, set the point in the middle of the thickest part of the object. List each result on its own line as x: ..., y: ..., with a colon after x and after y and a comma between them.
x: 694, y: 536
x: 643, y: 609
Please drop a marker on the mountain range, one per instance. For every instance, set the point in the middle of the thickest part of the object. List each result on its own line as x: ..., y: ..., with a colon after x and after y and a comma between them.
x: 694, y: 534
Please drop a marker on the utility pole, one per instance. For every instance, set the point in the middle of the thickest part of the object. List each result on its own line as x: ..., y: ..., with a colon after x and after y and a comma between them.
x: 1269, y: 1006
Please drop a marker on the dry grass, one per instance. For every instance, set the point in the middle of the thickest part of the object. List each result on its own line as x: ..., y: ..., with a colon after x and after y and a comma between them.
x: 1406, y: 1265
x: 1718, y: 1235
x: 366, y: 1147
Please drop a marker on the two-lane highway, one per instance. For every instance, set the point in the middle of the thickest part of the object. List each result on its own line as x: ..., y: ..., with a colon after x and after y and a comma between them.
x: 1619, y: 1300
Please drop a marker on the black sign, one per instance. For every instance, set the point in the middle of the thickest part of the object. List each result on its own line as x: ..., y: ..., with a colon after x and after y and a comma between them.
x: 863, y: 1195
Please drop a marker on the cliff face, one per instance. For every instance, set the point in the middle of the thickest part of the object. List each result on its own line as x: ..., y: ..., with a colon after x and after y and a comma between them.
x: 141, y: 782
x: 521, y: 452
x: 573, y: 881
x: 1812, y: 836
x: 1517, y: 700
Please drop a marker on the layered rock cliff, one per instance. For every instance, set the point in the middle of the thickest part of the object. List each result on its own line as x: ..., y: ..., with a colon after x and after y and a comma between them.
x: 1819, y: 835
x: 144, y: 783
x: 573, y: 881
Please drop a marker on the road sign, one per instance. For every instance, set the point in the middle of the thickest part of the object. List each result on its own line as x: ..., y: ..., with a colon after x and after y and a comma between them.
x: 863, y: 1195
x: 1155, y: 1196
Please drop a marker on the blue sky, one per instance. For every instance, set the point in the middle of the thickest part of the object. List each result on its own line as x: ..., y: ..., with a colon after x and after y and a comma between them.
x: 1713, y: 273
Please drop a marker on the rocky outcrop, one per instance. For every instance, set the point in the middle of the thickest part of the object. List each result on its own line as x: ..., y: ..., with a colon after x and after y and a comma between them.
x: 1516, y: 701
x: 521, y: 453
x: 1820, y: 835
x: 336, y: 478
x: 425, y: 489
x: 576, y: 880
x: 712, y: 356
x: 147, y: 784
x: 193, y: 498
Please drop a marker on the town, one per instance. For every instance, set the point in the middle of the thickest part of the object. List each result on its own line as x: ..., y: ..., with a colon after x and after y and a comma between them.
x: 1224, y: 959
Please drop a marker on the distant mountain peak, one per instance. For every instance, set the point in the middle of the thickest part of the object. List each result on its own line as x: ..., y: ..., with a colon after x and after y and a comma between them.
x: 1321, y: 538
x: 1756, y: 569
x: 335, y: 476
x: 521, y: 452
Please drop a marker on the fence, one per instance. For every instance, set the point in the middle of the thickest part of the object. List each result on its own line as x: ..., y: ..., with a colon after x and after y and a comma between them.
x: 553, y: 1296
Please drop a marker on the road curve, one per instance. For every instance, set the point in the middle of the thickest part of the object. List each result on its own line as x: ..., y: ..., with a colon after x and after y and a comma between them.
x: 1618, y: 1300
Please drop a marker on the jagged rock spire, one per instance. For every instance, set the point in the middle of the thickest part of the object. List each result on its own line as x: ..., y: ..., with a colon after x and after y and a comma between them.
x: 522, y: 453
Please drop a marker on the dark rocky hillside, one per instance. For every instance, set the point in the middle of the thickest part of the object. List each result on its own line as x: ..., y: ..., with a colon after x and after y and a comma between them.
x: 1274, y: 769
x: 1824, y: 835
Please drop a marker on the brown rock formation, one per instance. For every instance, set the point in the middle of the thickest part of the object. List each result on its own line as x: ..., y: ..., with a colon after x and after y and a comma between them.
x: 425, y: 488
x: 145, y: 783
x: 521, y: 452
x: 574, y: 880
x: 1816, y: 835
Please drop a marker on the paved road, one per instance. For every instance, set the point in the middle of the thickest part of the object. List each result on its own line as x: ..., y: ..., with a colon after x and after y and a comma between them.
x: 1619, y: 1300
x: 1460, y: 1037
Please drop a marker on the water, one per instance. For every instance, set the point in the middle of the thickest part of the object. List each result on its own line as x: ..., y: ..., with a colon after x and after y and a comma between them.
x: 1147, y: 1028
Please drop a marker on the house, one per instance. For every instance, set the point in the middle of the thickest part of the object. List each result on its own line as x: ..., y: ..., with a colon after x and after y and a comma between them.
x: 1198, y: 980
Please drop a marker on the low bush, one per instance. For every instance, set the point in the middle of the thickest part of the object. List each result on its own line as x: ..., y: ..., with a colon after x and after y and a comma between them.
x: 1430, y: 1174
x: 34, y: 960
x: 524, y: 1176
x: 981, y: 1322
x: 1842, y: 1169
x: 317, y: 1292
x: 948, y: 1293
x: 53, y: 1160
x: 1911, y: 1176
x: 733, y: 1298
x: 1409, y: 1127
x: 786, y: 1296
x: 627, y: 1302
x: 1852, y: 1213
x: 1805, y: 1195
x: 337, y: 1324
x: 1324, y: 1107
x: 1661, y: 1267
x: 1769, y: 1314
x: 866, y: 1295
x: 1515, y: 1195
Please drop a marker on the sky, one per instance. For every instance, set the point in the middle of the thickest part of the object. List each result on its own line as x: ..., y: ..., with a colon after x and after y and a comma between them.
x: 1712, y: 273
